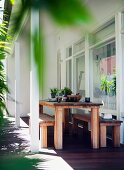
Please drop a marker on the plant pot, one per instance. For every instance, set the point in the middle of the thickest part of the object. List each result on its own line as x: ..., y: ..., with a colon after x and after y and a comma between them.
x: 53, y: 95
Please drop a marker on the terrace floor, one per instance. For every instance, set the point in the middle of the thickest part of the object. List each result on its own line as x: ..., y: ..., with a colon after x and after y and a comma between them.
x: 76, y: 154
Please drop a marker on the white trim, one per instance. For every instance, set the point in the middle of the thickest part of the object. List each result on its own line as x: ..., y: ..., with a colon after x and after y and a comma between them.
x: 17, y: 84
x: 34, y: 90
x: 69, y: 58
x: 104, y: 25
x: 72, y: 58
x: 119, y: 65
x: 103, y: 41
x: 119, y: 70
x: 87, y: 67
x: 72, y: 76
x: 78, y: 53
x: 91, y: 73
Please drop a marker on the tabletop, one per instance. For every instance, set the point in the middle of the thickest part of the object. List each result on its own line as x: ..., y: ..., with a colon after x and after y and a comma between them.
x: 66, y: 104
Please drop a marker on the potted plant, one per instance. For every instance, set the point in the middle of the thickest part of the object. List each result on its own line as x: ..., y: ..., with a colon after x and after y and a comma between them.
x: 54, y: 92
x: 114, y: 85
x: 109, y: 87
x: 67, y: 95
x: 104, y: 84
x: 66, y: 91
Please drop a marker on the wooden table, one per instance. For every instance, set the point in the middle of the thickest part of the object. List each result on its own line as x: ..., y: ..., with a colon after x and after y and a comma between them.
x: 62, y: 108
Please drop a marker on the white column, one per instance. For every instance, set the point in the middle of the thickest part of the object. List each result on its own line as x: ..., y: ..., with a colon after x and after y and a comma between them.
x: 119, y: 69
x: 34, y: 89
x: 17, y: 84
x: 87, y: 69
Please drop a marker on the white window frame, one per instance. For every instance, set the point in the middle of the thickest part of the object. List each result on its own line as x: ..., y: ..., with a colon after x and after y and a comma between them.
x: 72, y: 58
x: 105, y: 41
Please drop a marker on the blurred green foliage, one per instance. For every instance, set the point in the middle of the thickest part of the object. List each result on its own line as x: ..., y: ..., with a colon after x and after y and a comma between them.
x: 4, y: 49
x: 18, y: 162
x: 63, y: 12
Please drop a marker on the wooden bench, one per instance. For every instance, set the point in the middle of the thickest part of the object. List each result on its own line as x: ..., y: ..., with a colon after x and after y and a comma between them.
x: 45, y: 121
x: 115, y: 124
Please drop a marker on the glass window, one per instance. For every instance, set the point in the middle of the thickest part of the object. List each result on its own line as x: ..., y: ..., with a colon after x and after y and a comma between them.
x: 69, y: 52
x: 78, y: 47
x: 105, y: 32
x: 59, y: 70
x: 69, y: 73
x: 80, y: 75
x: 104, y: 79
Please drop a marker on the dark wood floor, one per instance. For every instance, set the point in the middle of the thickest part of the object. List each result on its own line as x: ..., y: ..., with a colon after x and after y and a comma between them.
x: 77, y: 151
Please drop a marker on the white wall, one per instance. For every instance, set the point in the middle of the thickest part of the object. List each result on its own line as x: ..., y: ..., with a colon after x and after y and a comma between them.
x: 24, y: 75
x: 51, y: 64
x: 24, y: 87
x: 50, y: 72
x: 10, y: 68
x: 104, y: 10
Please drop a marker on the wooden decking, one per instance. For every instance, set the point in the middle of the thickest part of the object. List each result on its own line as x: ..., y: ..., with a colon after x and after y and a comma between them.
x: 79, y: 155
x: 76, y: 154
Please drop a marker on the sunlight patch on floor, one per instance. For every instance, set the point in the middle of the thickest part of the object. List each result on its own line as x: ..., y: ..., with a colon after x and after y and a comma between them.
x: 47, y: 150
x: 50, y: 162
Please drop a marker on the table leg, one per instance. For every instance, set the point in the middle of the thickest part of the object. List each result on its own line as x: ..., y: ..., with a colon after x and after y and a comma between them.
x: 116, y: 136
x: 66, y: 120
x: 95, y: 127
x: 58, y: 136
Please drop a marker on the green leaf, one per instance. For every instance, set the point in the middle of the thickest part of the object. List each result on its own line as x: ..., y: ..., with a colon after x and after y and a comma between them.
x: 12, y: 2
x: 63, y: 12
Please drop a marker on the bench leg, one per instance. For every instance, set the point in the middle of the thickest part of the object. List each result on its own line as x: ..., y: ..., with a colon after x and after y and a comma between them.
x: 66, y: 121
x: 75, y: 126
x: 44, y: 137
x: 116, y: 136
x: 103, y: 136
x: 85, y: 127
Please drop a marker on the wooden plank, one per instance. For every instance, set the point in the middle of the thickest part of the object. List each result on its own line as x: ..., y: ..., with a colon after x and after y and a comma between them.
x: 46, y: 118
x: 58, y: 136
x: 70, y: 104
x: 95, y: 127
x: 103, y: 136
x: 44, y: 136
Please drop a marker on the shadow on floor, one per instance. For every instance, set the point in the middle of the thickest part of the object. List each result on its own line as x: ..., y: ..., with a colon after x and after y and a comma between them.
x: 77, y: 153
x: 14, y: 148
x: 15, y: 152
x: 12, y: 140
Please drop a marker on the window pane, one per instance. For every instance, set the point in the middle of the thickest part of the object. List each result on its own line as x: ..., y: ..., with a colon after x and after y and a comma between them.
x: 69, y: 73
x: 59, y: 70
x: 80, y: 75
x: 104, y: 79
x: 107, y: 31
x: 68, y: 52
x: 78, y: 47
